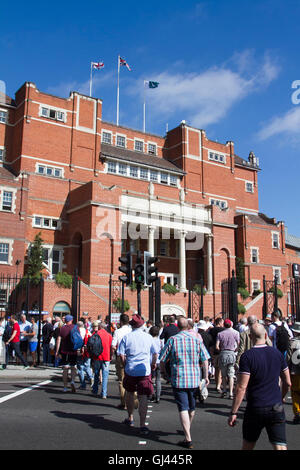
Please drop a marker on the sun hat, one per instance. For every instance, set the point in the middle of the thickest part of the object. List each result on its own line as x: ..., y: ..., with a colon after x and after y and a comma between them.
x: 136, y: 321
x: 202, y: 325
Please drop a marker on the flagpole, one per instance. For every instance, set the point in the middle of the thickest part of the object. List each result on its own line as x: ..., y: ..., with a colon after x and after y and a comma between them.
x: 118, y: 90
x: 91, y: 78
x: 144, y: 126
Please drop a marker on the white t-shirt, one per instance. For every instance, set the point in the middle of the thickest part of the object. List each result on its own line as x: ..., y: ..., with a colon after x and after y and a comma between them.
x: 119, y: 335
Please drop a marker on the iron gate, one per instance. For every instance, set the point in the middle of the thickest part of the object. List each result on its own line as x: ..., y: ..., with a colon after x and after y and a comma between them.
x: 229, y: 298
x: 270, y: 304
x: 196, y: 294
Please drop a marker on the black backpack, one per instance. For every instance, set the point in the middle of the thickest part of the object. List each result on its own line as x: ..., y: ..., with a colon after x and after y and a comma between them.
x: 7, y: 332
x: 282, y: 338
x: 94, y: 345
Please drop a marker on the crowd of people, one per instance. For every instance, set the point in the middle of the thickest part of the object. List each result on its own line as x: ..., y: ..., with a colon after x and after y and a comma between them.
x: 260, y: 357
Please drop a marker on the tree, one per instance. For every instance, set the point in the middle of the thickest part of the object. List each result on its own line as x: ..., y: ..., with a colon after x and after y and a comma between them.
x: 35, y: 257
x: 240, y: 273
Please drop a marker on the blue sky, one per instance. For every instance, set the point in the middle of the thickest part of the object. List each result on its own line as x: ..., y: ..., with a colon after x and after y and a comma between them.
x: 226, y: 66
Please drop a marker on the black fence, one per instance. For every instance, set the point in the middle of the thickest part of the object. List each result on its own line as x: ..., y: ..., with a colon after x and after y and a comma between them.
x: 295, y: 298
x: 270, y: 289
x: 229, y: 298
x: 196, y: 293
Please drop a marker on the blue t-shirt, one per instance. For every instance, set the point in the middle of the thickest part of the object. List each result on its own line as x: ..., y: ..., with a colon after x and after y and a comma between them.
x: 138, y: 347
x: 264, y: 364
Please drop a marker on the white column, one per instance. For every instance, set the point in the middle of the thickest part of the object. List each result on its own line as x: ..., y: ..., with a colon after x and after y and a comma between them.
x: 209, y: 264
x: 151, y: 231
x: 182, y: 261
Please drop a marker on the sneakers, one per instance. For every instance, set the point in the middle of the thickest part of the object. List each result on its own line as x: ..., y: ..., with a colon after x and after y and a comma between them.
x: 144, y: 431
x: 26, y: 367
x: 128, y: 422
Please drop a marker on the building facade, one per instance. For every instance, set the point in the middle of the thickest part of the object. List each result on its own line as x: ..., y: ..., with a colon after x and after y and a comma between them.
x: 95, y: 190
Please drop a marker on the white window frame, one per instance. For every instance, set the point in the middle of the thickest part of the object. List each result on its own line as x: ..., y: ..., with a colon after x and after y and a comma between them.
x: 133, y: 169
x: 120, y: 165
x: 49, y: 264
x: 257, y: 281
x: 142, y: 170
x: 2, y: 153
x: 9, y: 242
x: 42, y: 224
x: 122, y: 136
x: 60, y: 114
x: 165, y: 277
x: 278, y: 240
x: 252, y: 187
x: 104, y: 131
x: 4, y: 119
x: 251, y: 254
x: 8, y: 189
x: 217, y: 157
x: 46, y: 167
x: 221, y: 203
x: 277, y: 268
x: 154, y: 145
x: 154, y: 176
x: 109, y: 163
x: 139, y: 141
x: 161, y: 177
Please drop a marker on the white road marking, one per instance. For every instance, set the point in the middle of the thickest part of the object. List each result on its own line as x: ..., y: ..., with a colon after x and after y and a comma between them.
x: 25, y: 390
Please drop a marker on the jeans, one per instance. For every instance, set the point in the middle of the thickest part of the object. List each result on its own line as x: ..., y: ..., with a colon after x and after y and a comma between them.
x: 46, y: 354
x: 104, y: 366
x: 15, y: 347
x: 84, y: 367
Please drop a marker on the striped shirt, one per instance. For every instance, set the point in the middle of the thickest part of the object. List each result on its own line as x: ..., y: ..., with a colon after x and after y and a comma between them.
x: 184, y: 351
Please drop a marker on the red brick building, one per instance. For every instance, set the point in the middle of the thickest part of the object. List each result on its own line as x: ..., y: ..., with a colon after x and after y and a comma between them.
x: 96, y: 190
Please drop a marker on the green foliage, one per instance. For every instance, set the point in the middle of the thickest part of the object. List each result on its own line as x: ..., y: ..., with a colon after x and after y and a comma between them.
x: 241, y: 308
x: 244, y: 293
x: 240, y: 273
x: 279, y: 292
x: 197, y: 288
x: 64, y: 280
x: 133, y: 287
x: 170, y: 289
x: 118, y: 305
x: 35, y: 257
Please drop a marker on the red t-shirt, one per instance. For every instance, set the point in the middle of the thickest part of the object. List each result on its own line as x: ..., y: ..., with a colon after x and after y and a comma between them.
x: 16, y: 328
x: 106, y: 342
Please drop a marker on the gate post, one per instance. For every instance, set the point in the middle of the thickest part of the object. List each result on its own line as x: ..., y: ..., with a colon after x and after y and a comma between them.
x: 157, y: 301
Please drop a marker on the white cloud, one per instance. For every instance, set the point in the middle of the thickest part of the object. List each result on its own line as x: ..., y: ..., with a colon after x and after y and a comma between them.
x: 63, y: 89
x: 288, y: 123
x: 205, y: 98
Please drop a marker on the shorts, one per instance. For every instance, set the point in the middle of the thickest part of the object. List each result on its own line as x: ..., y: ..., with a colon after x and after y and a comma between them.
x: 141, y: 385
x: 227, y: 363
x: 33, y: 346
x: 185, y: 398
x: 24, y: 346
x: 68, y: 360
x: 271, y: 418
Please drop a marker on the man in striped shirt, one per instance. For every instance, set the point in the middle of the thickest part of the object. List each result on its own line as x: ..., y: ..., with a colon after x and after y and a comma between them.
x: 185, y: 352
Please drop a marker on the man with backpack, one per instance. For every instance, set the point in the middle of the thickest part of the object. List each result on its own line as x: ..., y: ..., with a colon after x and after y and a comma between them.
x: 65, y: 347
x: 293, y: 360
x: 101, y: 362
x: 280, y: 333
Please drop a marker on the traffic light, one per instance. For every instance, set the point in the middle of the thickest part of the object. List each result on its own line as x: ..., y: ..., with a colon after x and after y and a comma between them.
x: 126, y: 268
x: 139, y: 275
x: 150, y: 271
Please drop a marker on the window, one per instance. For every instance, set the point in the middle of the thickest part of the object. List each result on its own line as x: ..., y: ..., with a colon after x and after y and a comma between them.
x: 173, y: 180
x: 218, y: 203
x: 133, y: 171
x: 277, y: 273
x: 153, y: 175
x: 2, y: 154
x: 164, y: 178
x: 50, y: 171
x: 52, y: 258
x: 255, y: 285
x: 112, y: 167
x: 106, y: 137
x: 152, y: 149
x: 3, y: 116
x: 46, y: 222
x: 121, y: 141
x: 122, y: 169
x: 163, y: 248
x: 52, y: 114
x: 249, y: 187
x: 7, y: 201
x: 139, y: 145
x: 275, y: 240
x: 254, y: 255
x: 3, y: 298
x: 144, y: 173
x: 217, y: 157
x: 4, y: 252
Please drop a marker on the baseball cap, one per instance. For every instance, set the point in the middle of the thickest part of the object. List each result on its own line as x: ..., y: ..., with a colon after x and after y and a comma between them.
x: 227, y: 322
x: 68, y: 318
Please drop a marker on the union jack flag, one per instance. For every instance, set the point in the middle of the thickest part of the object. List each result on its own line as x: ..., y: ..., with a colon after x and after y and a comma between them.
x: 123, y: 62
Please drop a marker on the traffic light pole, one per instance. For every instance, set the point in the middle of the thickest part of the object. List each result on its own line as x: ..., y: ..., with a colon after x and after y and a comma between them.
x: 139, y: 305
